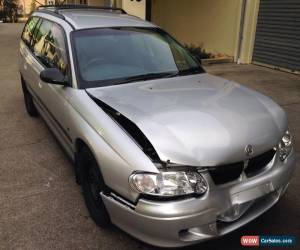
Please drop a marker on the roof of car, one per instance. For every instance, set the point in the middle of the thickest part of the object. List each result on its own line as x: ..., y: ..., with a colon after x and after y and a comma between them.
x: 83, y: 18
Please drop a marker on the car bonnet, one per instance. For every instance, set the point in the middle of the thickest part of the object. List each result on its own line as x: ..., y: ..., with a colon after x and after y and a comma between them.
x: 198, y: 120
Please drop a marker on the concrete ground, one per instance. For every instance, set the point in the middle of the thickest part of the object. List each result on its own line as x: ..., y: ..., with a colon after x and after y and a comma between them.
x: 41, y: 207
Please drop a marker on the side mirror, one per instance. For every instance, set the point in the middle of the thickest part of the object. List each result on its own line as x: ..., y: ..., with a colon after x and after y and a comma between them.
x: 53, y: 76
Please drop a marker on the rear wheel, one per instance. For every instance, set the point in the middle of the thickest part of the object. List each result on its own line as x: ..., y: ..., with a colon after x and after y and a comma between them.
x: 30, y: 107
x: 92, y: 185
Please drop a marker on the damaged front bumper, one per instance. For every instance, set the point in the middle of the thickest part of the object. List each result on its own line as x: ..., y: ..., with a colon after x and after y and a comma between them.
x: 221, y: 210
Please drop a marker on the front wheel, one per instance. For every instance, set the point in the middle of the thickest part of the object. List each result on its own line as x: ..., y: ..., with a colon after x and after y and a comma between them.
x: 92, y: 185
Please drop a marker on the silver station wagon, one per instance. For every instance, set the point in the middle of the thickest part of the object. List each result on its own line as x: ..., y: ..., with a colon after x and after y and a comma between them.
x: 168, y: 153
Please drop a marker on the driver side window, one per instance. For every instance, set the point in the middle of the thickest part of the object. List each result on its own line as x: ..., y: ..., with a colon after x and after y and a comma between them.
x: 49, y: 46
x: 41, y: 34
x: 55, y: 49
x: 28, y: 30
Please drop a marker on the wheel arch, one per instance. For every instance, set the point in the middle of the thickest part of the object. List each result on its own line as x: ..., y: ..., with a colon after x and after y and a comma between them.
x: 79, y: 144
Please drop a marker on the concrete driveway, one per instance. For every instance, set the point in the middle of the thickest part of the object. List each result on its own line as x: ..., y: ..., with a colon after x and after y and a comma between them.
x: 41, y: 207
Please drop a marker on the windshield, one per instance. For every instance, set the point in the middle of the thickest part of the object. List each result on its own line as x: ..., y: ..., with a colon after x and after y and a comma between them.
x: 109, y: 56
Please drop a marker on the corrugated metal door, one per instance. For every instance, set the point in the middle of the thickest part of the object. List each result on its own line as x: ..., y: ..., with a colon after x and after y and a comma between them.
x: 277, y: 41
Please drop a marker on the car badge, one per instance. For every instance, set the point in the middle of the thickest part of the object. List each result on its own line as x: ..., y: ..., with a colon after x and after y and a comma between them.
x: 249, y: 150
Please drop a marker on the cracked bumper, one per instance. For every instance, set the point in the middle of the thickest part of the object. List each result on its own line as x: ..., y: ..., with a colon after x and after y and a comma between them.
x: 189, y: 221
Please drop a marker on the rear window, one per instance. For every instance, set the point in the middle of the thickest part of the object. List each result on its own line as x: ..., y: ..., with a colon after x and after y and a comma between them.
x: 28, y: 30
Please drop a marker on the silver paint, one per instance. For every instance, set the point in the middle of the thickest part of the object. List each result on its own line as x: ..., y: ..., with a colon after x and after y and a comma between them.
x: 82, y: 19
x: 199, y: 120
x: 190, y: 221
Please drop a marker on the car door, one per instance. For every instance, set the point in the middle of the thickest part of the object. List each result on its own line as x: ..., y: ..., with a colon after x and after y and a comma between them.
x: 49, y: 49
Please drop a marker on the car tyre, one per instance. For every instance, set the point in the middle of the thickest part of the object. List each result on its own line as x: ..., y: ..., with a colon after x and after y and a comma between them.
x: 92, y: 184
x: 29, y: 104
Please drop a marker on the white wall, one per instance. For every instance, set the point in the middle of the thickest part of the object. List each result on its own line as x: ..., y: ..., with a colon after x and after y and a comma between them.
x: 214, y: 24
x: 134, y: 7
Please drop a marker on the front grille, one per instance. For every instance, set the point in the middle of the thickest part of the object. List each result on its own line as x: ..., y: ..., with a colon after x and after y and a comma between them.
x: 230, y: 172
x: 256, y: 164
x: 226, y: 173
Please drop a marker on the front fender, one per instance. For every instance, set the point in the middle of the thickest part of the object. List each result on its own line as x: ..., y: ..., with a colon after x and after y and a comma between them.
x: 117, y: 154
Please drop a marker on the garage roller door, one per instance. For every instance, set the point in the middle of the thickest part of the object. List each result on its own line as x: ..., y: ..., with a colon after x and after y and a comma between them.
x: 277, y: 41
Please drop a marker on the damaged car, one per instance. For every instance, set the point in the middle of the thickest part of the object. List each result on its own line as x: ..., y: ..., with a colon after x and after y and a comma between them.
x: 165, y: 151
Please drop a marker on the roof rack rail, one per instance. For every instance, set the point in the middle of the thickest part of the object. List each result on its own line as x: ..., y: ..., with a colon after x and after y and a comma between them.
x: 56, y: 8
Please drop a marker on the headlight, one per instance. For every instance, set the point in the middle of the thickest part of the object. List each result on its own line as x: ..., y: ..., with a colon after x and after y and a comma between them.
x: 166, y: 184
x: 285, y: 146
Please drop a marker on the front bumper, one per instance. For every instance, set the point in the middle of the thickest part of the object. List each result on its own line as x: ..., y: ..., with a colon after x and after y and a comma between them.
x: 189, y: 221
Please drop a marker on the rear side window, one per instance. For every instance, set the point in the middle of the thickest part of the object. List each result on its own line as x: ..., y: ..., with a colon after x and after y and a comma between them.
x: 49, y: 47
x: 28, y: 30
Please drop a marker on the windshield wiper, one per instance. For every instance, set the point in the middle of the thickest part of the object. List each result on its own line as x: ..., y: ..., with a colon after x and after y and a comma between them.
x: 190, y: 71
x: 146, y: 77
x: 152, y: 76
